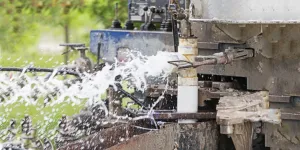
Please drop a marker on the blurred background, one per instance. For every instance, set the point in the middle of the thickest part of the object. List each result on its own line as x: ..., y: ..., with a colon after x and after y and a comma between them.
x: 31, y: 30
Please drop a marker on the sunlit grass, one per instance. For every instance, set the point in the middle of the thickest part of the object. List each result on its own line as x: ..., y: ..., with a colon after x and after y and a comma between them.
x: 23, y: 59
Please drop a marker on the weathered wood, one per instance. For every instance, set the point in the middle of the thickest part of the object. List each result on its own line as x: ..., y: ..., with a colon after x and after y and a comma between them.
x: 246, y: 107
x: 242, y: 138
x: 235, y: 115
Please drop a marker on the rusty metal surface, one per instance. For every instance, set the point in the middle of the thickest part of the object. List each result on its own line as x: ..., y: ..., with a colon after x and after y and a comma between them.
x: 209, y: 93
x: 279, y: 99
x: 105, y: 138
x: 196, y: 136
x: 156, y: 90
x: 275, y: 66
x: 199, y: 115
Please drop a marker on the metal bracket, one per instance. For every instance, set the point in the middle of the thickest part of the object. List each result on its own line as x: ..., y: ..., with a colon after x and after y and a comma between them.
x: 74, y: 46
x: 182, y: 63
x: 239, y: 54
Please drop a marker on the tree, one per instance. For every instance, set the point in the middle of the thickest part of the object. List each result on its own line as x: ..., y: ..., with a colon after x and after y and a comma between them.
x: 19, y: 19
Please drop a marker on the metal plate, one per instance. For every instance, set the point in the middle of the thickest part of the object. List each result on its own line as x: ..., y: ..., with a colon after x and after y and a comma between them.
x: 247, y: 11
x: 148, y: 43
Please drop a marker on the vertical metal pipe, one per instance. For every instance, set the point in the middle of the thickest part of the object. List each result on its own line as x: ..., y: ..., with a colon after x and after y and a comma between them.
x: 129, y: 10
x: 115, y: 101
x: 66, y: 28
x: 98, y: 53
x: 82, y: 53
x: 185, y: 24
x: 116, y: 11
x: 175, y: 34
x: 111, y: 100
x: 187, y: 4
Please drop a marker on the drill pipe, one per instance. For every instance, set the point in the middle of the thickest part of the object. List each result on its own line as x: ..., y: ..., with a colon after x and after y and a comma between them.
x: 226, y: 58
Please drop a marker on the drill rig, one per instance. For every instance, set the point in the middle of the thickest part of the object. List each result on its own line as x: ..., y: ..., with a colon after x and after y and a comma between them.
x: 236, y: 88
x: 240, y: 67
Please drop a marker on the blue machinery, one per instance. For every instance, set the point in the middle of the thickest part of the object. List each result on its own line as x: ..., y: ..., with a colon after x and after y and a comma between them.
x: 110, y: 41
x: 147, y: 38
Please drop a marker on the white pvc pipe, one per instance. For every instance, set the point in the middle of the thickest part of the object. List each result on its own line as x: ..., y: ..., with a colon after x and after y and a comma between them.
x: 187, y: 97
x: 187, y: 101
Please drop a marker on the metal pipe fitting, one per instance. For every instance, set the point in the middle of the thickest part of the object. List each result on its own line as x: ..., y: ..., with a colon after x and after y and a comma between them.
x: 226, y: 129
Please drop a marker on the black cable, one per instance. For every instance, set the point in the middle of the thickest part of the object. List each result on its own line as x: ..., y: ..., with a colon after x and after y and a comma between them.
x: 137, y: 101
x: 33, y: 69
x: 98, y: 53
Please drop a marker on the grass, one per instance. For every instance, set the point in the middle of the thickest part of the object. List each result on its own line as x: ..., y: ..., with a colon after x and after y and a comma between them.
x: 45, y: 119
x: 22, y: 59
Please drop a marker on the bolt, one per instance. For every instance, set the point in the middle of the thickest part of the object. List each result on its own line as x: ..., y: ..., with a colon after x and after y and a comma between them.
x: 258, y: 130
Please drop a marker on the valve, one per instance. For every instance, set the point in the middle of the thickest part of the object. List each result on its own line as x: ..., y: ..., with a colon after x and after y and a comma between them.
x: 146, y: 18
x: 129, y: 24
x: 148, y: 25
x: 83, y: 63
x: 167, y: 23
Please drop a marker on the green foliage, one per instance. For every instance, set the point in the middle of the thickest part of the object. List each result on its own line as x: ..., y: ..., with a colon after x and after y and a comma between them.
x: 19, y: 19
x: 103, y: 10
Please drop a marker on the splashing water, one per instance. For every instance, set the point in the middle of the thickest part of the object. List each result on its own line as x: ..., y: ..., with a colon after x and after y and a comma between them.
x: 136, y: 70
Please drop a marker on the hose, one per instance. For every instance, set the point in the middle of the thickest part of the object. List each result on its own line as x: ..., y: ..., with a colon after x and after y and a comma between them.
x: 33, y: 69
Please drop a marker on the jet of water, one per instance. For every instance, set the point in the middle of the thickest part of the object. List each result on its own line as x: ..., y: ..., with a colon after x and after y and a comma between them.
x: 136, y: 70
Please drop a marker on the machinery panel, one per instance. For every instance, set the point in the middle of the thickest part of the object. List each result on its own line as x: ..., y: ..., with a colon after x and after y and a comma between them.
x: 137, y: 13
x: 113, y: 40
x: 245, y: 11
x: 275, y: 65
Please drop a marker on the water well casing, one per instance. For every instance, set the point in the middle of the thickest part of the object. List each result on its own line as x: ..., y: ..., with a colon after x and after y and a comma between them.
x: 187, y: 101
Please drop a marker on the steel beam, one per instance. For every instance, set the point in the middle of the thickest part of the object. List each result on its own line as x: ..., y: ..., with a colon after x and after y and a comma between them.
x: 199, y: 115
x: 290, y: 115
